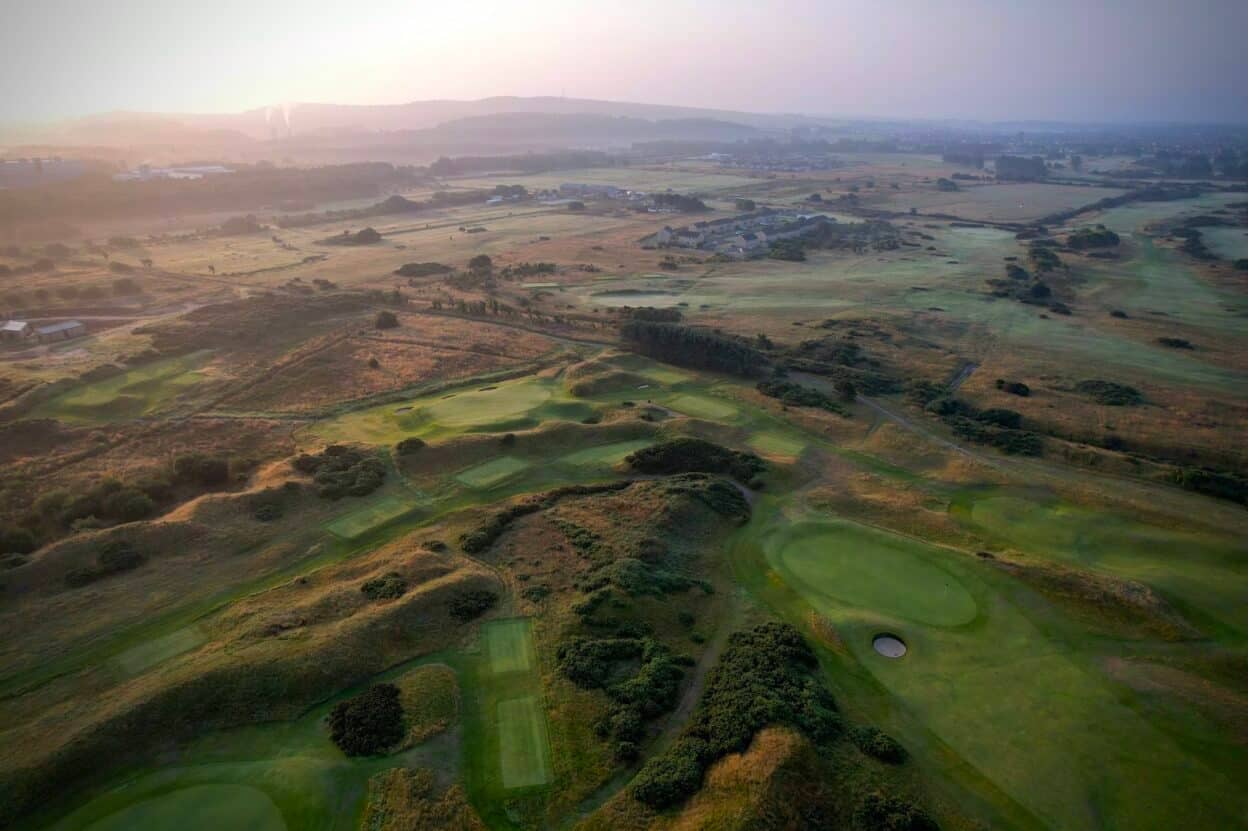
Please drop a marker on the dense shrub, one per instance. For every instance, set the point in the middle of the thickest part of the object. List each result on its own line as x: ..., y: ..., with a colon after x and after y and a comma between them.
x: 386, y: 320
x: 342, y: 471
x: 200, y: 469
x: 1013, y: 387
x: 469, y: 605
x: 388, y: 586
x: 690, y: 455
x: 1110, y: 393
x: 422, y: 269
x: 766, y: 675
x: 796, y: 395
x: 1176, y: 343
x: 654, y: 315
x: 1000, y: 417
x: 114, y: 557
x: 368, y: 724
x: 1214, y: 483
x: 879, y: 811
x: 409, y: 446
x: 790, y: 250
x: 878, y: 744
x: 14, y: 540
x: 1098, y: 237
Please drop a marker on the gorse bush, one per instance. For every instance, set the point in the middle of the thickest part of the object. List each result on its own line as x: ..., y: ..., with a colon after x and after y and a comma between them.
x: 114, y: 557
x: 874, y: 742
x: 690, y: 455
x: 386, y: 587
x: 766, y: 675
x: 796, y: 395
x: 342, y: 471
x: 368, y: 724
x: 469, y: 605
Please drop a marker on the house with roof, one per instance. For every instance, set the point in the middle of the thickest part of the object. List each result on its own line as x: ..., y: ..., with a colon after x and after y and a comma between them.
x: 65, y: 330
x: 14, y: 330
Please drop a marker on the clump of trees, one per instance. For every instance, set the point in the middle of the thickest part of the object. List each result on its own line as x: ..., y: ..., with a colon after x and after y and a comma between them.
x: 365, y: 236
x: 790, y: 250
x: 692, y: 455
x: 202, y: 469
x: 696, y: 348
x: 368, y: 724
x: 342, y: 471
x: 422, y: 269
x: 878, y: 744
x: 890, y: 812
x: 652, y: 314
x: 679, y: 202
x: 997, y: 427
x: 766, y: 676
x: 1098, y: 237
x: 1110, y: 393
x: 796, y: 395
x: 114, y: 557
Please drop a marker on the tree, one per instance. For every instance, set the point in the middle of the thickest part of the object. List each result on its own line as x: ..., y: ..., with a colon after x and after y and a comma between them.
x: 746, y: 205
x: 386, y: 320
x: 481, y: 265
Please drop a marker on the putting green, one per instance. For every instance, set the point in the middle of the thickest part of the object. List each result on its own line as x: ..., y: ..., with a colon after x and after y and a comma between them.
x: 486, y: 406
x: 509, y: 645
x: 198, y: 807
x: 371, y: 515
x: 777, y: 444
x: 490, y: 473
x: 605, y: 455
x: 845, y: 564
x: 703, y: 406
x: 523, y: 747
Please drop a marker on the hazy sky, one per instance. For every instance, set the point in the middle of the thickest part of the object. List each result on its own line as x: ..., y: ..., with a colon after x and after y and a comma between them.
x: 1100, y: 60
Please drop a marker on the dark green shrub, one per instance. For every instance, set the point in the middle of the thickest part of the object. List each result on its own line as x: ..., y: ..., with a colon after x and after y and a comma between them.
x: 388, y: 586
x: 874, y: 742
x: 690, y: 455
x: 1000, y: 417
x: 386, y: 320
x: 114, y: 557
x: 672, y: 777
x: 1176, y: 343
x: 1110, y: 393
x: 15, y: 540
x: 468, y: 605
x: 1014, y: 387
x: 368, y: 724
x: 268, y: 512
x: 878, y: 811
x: 409, y: 446
x: 200, y: 469
x: 796, y: 395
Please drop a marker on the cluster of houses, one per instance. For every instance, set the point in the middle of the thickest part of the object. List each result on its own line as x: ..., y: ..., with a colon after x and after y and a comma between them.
x: 144, y: 173
x: 22, y: 331
x: 743, y: 236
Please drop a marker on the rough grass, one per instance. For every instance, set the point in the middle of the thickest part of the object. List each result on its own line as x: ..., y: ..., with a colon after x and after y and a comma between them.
x: 429, y: 695
x: 777, y: 444
x: 198, y: 808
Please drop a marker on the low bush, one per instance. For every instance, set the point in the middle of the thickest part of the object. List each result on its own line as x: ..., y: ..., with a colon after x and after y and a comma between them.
x: 879, y: 811
x: 201, y: 469
x: 409, y: 446
x: 796, y: 395
x: 878, y: 744
x: 114, y: 557
x: 1013, y: 387
x: 1110, y: 393
x: 388, y: 586
x: 1176, y: 343
x: 368, y: 724
x: 15, y: 540
x: 386, y: 320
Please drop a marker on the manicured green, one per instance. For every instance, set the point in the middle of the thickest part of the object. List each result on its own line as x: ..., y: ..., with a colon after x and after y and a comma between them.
x: 524, y: 749
x: 840, y: 564
x: 488, y: 474
x: 370, y: 515
x: 604, y: 455
x: 509, y: 645
x: 206, y: 807
x: 771, y: 443
x: 488, y: 405
x: 703, y: 406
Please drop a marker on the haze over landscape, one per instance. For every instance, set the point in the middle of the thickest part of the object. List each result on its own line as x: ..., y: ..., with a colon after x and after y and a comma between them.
x: 1127, y: 60
x: 683, y: 416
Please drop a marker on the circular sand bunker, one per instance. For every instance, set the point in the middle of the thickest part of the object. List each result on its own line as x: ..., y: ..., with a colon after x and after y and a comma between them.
x: 890, y: 646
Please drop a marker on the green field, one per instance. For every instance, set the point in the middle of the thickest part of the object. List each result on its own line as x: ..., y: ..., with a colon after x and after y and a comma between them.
x: 1025, y: 710
x: 777, y: 444
x: 487, y: 405
x: 133, y: 394
x: 509, y: 645
x: 371, y: 515
x: 490, y: 473
x: 198, y: 807
x: 524, y: 749
x: 604, y: 455
x: 703, y: 406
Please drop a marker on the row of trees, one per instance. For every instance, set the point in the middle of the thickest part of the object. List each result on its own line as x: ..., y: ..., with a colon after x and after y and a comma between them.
x: 696, y: 348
